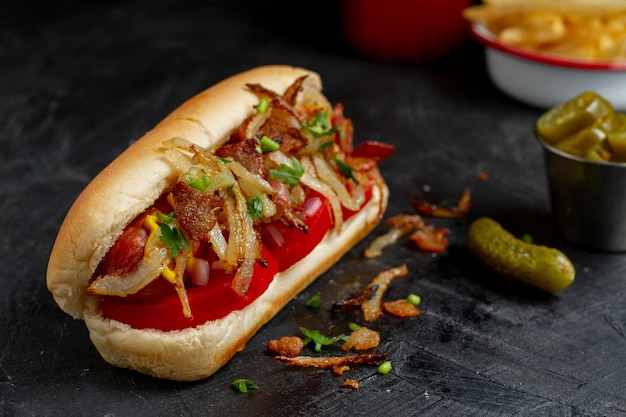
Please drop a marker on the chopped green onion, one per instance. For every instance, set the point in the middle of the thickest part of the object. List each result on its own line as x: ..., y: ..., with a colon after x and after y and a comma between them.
x: 325, y: 145
x: 319, y: 339
x: 346, y: 170
x: 527, y: 238
x: 196, y: 183
x: 267, y: 144
x: 314, y: 302
x: 199, y: 184
x: 353, y: 326
x: 320, y: 126
x: 414, y: 299
x: 255, y: 208
x: 263, y: 105
x: 289, y: 175
x: 384, y: 368
x: 243, y: 385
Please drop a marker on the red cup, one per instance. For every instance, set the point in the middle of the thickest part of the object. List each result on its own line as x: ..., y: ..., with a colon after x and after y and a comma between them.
x: 404, y: 30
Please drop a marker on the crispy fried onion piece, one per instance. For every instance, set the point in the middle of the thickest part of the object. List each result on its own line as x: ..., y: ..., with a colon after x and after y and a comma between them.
x: 291, y: 94
x: 401, y: 308
x: 362, y: 339
x: 246, y: 238
x: 289, y: 346
x: 340, y: 370
x: 252, y: 124
x: 179, y: 283
x: 329, y: 175
x: 310, y: 179
x: 329, y: 362
x: 400, y: 225
x: 352, y: 303
x: 423, y: 234
x: 445, y: 212
x: 431, y: 239
x: 350, y: 383
x: 372, y: 308
x: 278, y: 101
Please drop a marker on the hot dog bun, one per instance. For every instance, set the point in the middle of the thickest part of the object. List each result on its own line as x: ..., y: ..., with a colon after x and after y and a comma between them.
x: 131, y: 184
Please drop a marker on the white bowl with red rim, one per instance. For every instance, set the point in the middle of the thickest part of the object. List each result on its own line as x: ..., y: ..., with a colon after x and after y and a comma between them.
x: 543, y: 80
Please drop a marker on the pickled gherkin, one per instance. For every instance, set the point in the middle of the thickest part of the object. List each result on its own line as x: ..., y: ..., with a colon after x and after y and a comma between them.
x: 546, y: 268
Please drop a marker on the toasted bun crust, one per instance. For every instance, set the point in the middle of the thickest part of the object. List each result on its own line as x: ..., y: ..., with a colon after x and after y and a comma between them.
x: 131, y: 184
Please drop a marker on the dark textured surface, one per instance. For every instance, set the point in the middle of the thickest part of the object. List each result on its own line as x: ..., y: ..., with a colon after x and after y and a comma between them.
x: 80, y: 81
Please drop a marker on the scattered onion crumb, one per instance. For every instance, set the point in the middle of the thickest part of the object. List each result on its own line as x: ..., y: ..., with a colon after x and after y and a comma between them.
x: 339, y: 370
x: 401, y: 308
x: 350, y: 383
x: 362, y: 339
x: 286, y: 346
x: 461, y: 209
x: 372, y: 308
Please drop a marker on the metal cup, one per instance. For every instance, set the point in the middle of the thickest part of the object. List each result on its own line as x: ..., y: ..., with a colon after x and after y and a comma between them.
x: 588, y: 200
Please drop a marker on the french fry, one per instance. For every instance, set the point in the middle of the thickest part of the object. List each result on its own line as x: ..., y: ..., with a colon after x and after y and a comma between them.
x: 581, y: 29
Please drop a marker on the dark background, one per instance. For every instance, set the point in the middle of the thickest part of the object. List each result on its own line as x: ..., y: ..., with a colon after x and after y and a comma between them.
x: 80, y: 81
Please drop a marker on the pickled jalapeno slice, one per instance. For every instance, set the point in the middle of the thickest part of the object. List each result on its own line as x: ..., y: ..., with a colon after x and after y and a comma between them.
x: 581, y: 142
x: 617, y: 138
x: 572, y: 116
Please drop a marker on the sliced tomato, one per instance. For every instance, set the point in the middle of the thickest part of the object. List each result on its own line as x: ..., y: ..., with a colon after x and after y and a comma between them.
x: 151, y: 310
x: 289, y: 244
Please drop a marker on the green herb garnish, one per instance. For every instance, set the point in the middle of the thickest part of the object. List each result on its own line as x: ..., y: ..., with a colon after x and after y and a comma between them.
x: 346, y: 170
x: 319, y: 339
x: 170, y: 235
x: 289, y: 175
x: 165, y: 218
x: 527, y: 238
x: 320, y: 126
x: 255, y: 207
x: 325, y: 145
x: 243, y: 385
x: 314, y: 302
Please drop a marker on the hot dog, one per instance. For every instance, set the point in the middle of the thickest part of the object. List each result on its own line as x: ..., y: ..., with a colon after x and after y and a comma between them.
x: 203, y: 229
